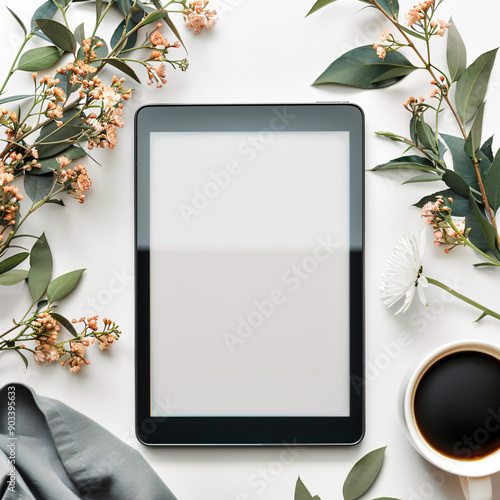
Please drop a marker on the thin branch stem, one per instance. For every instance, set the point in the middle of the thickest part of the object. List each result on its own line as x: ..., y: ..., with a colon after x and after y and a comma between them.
x: 473, y: 303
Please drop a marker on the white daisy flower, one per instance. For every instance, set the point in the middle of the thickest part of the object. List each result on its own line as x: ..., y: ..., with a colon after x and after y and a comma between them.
x: 403, y: 272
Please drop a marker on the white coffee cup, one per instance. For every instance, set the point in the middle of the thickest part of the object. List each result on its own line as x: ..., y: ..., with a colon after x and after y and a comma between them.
x: 474, y: 474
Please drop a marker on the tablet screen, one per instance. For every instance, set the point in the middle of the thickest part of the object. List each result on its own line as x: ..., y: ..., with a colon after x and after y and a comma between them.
x: 249, y: 259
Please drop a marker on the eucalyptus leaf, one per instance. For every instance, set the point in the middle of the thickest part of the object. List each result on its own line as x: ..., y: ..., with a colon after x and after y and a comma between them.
x: 410, y: 31
x: 459, y: 206
x: 80, y: 33
x: 65, y: 84
x: 14, y: 98
x: 487, y: 149
x: 302, y: 493
x: 462, y: 164
x: 58, y: 34
x: 23, y: 357
x: 319, y: 4
x: 56, y: 201
x: 39, y: 58
x: 40, y: 268
x: 51, y: 163
x: 98, y: 8
x: 123, y: 67
x: 492, y: 183
x: 472, y: 85
x: 16, y: 17
x: 363, y: 474
x: 456, y: 53
x: 51, y: 133
x: 41, y: 305
x: 488, y: 231
x: 45, y: 11
x: 408, y: 162
x: 390, y: 7
x: 115, y: 38
x: 66, y: 323
x: 38, y: 186
x: 394, y: 137
x: 362, y: 68
x: 12, y: 261
x: 473, y: 142
x: 423, y: 178
x: 153, y: 17
x: 13, y: 277
x: 483, y: 315
x: 456, y: 182
x: 425, y: 135
x: 63, y: 285
x: 100, y: 52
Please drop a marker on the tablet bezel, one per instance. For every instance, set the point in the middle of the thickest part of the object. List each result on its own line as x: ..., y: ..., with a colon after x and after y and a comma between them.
x: 247, y: 430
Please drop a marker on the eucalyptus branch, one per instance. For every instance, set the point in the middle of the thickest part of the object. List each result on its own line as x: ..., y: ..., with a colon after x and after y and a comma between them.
x: 429, y: 68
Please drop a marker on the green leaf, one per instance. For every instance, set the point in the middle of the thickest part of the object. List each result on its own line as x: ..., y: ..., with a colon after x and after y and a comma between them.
x: 101, y: 52
x: 363, y: 474
x: 492, y: 184
x: 487, y: 150
x: 473, y: 141
x: 153, y: 17
x: 362, y: 68
x: 23, y: 357
x: 123, y: 67
x: 456, y: 53
x: 58, y: 34
x: 38, y: 186
x: 394, y: 137
x: 45, y: 11
x: 40, y: 268
x: 98, y: 9
x: 56, y: 201
x: 59, y: 134
x: 472, y: 85
x: 14, y: 98
x: 66, y: 323
x: 390, y: 7
x: 13, y: 277
x: 301, y: 492
x: 408, y: 162
x: 119, y: 32
x: 462, y: 164
x: 12, y: 262
x: 41, y: 305
x: 319, y: 4
x: 425, y: 135
x: 486, y: 228
x: 456, y: 182
x: 174, y: 29
x: 62, y: 285
x: 15, y: 16
x: 460, y: 205
x: 80, y: 33
x: 423, y: 178
x: 40, y: 58
x: 51, y: 163
x: 483, y: 315
x: 410, y: 31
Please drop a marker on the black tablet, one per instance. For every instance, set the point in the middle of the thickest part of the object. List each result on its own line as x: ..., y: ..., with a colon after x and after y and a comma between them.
x: 249, y: 274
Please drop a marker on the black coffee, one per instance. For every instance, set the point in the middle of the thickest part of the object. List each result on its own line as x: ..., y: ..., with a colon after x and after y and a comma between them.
x: 457, y: 405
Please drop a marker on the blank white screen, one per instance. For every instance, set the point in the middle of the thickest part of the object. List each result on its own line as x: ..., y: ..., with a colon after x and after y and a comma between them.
x: 250, y: 273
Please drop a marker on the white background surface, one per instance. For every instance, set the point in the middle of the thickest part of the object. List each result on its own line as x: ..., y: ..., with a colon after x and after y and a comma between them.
x: 265, y: 51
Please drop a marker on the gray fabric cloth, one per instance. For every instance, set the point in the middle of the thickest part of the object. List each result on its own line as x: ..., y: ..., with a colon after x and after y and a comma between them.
x: 61, y: 454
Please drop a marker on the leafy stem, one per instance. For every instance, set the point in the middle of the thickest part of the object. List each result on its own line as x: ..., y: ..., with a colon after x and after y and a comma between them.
x: 429, y: 68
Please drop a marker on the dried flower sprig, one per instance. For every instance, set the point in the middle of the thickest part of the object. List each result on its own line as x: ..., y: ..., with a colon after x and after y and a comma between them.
x: 76, y: 106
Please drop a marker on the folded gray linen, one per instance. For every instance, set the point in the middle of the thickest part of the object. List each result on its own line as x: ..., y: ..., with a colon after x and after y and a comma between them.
x: 52, y: 452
